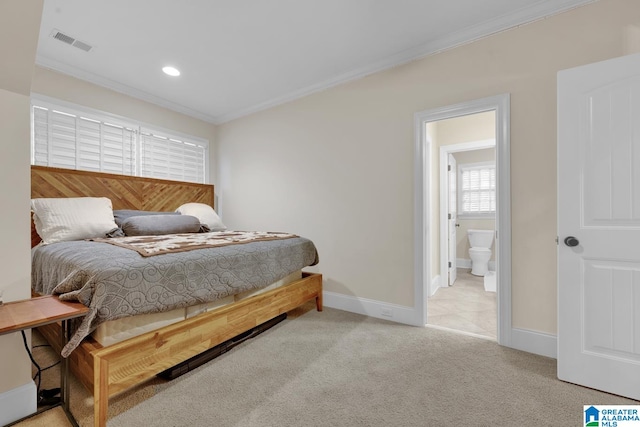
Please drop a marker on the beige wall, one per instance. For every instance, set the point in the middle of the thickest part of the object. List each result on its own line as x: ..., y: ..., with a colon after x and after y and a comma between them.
x: 19, y: 28
x: 470, y: 128
x: 66, y: 88
x: 340, y: 162
x: 475, y: 156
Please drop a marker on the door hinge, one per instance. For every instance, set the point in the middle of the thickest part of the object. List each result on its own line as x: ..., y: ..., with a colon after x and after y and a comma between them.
x: 449, y: 264
x: 449, y: 216
x: 557, y: 240
x: 449, y: 167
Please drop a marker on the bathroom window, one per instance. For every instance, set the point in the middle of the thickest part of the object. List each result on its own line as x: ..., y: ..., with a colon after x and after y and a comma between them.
x: 477, y: 190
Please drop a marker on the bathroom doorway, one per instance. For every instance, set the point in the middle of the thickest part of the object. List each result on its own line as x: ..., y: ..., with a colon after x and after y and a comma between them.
x: 445, y: 251
x: 466, y: 298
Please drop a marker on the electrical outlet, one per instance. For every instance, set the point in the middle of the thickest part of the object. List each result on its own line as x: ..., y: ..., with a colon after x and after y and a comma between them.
x: 387, y: 312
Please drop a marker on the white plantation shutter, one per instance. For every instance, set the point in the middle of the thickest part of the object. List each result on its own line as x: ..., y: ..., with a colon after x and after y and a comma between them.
x: 64, y: 139
x: 477, y: 189
x: 171, y: 157
x: 67, y: 137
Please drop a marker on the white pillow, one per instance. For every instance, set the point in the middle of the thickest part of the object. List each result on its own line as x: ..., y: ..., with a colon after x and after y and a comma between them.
x: 73, y: 218
x: 205, y: 214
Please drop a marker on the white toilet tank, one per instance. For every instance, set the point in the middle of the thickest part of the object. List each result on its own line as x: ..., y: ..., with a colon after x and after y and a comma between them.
x: 480, y: 238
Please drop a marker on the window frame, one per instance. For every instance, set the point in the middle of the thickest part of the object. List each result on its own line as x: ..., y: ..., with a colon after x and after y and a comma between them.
x: 139, y: 127
x: 461, y: 214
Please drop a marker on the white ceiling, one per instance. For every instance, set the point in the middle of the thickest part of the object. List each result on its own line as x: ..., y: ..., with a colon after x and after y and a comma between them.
x: 241, y: 56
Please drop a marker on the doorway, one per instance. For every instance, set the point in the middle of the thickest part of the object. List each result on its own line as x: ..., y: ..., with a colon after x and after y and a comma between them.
x: 462, y: 298
x: 432, y: 272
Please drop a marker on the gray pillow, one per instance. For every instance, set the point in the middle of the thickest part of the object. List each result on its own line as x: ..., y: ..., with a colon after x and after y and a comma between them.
x: 152, y: 225
x: 121, y: 214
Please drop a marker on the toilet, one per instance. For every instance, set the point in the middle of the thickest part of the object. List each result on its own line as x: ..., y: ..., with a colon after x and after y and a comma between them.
x: 480, y: 251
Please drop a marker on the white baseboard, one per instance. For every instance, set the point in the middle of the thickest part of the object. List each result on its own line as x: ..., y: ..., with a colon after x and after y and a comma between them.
x: 521, y: 339
x: 534, y: 342
x: 466, y: 263
x: 463, y: 263
x: 372, y: 308
x: 18, y: 403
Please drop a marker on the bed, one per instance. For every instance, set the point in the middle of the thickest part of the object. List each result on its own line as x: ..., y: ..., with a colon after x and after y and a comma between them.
x: 108, y: 369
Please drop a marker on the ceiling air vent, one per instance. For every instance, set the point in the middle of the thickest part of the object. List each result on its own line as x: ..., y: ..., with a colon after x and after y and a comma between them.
x: 58, y: 35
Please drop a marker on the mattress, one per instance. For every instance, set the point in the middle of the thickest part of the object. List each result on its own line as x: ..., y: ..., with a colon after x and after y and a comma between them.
x: 115, y: 331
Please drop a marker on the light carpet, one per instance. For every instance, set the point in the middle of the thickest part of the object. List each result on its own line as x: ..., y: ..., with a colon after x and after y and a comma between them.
x: 341, y: 369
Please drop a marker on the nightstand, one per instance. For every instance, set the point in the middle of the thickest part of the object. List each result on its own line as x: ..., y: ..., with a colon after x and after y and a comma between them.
x: 17, y: 316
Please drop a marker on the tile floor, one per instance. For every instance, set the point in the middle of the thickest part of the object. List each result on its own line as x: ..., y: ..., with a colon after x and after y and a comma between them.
x: 465, y: 306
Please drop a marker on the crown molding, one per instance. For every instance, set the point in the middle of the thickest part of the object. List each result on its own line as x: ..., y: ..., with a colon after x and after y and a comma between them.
x: 501, y: 23
x: 537, y: 11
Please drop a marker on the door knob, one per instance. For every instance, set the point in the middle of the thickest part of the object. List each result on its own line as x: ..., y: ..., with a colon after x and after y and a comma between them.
x: 571, y: 241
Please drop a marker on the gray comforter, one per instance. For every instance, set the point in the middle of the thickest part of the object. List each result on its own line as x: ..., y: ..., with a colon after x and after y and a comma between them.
x: 115, y: 282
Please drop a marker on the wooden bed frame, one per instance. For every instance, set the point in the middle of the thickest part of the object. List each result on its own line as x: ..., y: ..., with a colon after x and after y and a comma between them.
x: 110, y: 370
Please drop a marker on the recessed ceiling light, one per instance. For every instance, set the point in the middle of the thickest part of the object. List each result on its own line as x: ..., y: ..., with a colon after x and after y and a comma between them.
x: 171, y: 71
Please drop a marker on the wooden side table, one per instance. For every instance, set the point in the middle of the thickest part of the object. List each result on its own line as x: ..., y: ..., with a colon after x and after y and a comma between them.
x: 17, y: 316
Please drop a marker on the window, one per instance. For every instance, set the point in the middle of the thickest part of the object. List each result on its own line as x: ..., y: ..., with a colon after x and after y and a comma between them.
x: 477, y: 190
x: 73, y: 137
x: 167, y: 157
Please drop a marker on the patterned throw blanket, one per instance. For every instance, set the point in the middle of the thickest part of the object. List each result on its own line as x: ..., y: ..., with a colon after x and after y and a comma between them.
x: 156, y: 245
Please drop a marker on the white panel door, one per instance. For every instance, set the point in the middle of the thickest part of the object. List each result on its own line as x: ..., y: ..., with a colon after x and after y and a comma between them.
x: 599, y: 207
x: 453, y: 219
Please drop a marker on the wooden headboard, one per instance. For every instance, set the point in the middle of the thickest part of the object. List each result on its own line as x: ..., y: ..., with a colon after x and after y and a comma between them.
x: 125, y: 192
